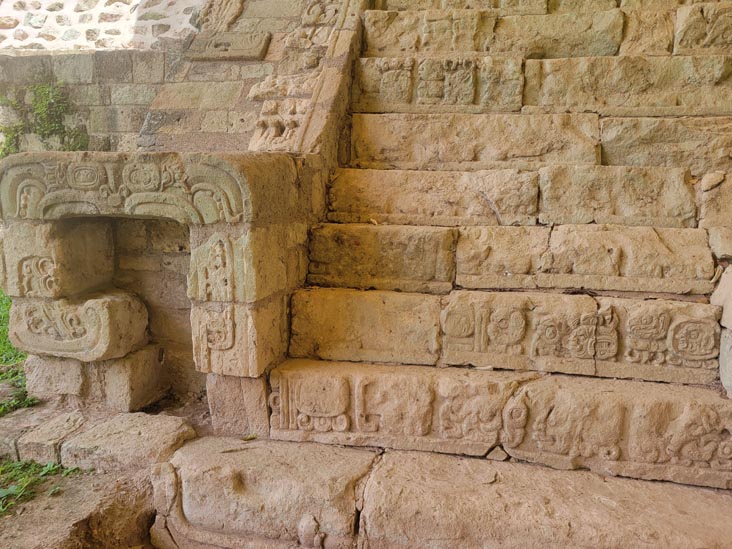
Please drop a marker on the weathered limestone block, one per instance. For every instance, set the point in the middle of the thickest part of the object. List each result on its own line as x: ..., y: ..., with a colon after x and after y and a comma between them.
x: 229, y: 46
x: 720, y: 241
x: 245, y: 264
x: 661, y: 340
x: 601, y: 257
x: 722, y: 297
x: 410, y: 259
x: 15, y: 424
x: 241, y: 340
x: 648, y: 32
x: 238, y: 405
x: 429, y: 500
x: 223, y: 492
x: 658, y: 197
x: 716, y: 201
x: 101, y: 327
x: 192, y: 189
x: 124, y: 384
x: 57, y: 259
x: 725, y: 361
x: 430, y: 409
x: 126, y: 440
x: 459, y: 141
x: 575, y: 6
x: 661, y: 5
x: 389, y: 33
x: 377, y: 326
x: 703, y: 28
x: 632, y: 85
x: 500, y: 7
x: 43, y: 443
x: 625, y: 428
x: 489, y: 197
x: 701, y: 144
x: 500, y: 257
x: 635, y: 259
x: 445, y: 84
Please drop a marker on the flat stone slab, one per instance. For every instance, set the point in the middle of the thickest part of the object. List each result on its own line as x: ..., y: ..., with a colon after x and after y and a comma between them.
x: 125, y: 441
x: 426, y: 500
x: 222, y: 491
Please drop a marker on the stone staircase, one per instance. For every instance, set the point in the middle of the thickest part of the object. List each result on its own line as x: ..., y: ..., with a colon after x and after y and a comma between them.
x: 516, y: 263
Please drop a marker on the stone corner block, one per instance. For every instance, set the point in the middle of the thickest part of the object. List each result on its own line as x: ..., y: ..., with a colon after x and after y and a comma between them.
x: 238, y: 405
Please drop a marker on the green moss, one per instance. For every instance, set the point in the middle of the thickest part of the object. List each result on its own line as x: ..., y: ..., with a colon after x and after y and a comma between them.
x: 12, y: 134
x: 49, y: 104
x: 20, y: 480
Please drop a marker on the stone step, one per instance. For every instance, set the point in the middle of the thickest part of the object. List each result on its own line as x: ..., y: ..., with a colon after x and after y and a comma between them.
x: 469, y: 141
x: 527, y: 141
x: 651, y: 431
x: 397, y: 33
x: 657, y: 340
x: 551, y: 195
x: 218, y: 492
x: 437, y: 259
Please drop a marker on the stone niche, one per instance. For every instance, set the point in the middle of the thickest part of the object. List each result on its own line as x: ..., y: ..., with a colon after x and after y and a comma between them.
x: 134, y: 274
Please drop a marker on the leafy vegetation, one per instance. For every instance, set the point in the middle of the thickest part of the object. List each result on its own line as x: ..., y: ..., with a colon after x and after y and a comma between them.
x: 20, y: 481
x: 9, y: 355
x: 10, y: 374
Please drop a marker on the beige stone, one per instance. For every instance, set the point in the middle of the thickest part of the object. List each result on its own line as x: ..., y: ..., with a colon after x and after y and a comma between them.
x: 575, y: 6
x: 658, y: 197
x: 459, y: 141
x: 716, y: 197
x: 238, y: 405
x: 703, y: 28
x: 500, y: 7
x: 15, y: 424
x: 230, y: 46
x: 725, y: 361
x: 632, y: 85
x: 488, y: 197
x: 450, y: 84
x: 430, y: 409
x: 561, y: 35
x: 613, y: 257
x: 722, y: 297
x: 126, y: 440
x: 428, y: 500
x: 224, y: 492
x: 336, y: 324
x: 57, y: 260
x: 42, y: 444
x: 410, y: 259
x: 720, y: 241
x: 101, y: 327
x: 500, y: 257
x: 701, y: 144
x: 648, y: 32
x: 661, y: 5
x: 50, y: 378
x: 239, y: 340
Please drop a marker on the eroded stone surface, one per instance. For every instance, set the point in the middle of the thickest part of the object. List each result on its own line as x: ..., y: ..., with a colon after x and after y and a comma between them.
x: 716, y: 197
x: 376, y: 326
x: 101, y: 327
x: 703, y: 28
x: 220, y: 492
x: 488, y: 197
x: 42, y: 443
x: 126, y: 440
x: 456, y: 141
x: 238, y: 405
x: 421, y: 500
x: 57, y: 260
x: 410, y: 259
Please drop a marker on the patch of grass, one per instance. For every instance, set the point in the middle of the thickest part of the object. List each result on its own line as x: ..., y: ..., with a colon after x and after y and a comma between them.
x: 10, y: 373
x: 20, y: 480
x: 9, y: 355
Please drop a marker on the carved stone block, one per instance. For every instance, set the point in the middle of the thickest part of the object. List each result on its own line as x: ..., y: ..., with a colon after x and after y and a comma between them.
x: 557, y: 35
x: 489, y: 197
x: 57, y: 260
x: 627, y: 85
x: 376, y: 326
x: 245, y: 264
x: 462, y: 141
x: 451, y: 84
x: 580, y: 6
x: 238, y: 405
x: 430, y: 409
x: 240, y: 340
x: 101, y: 327
x: 613, y: 257
x: 229, y: 46
x: 249, y: 506
x: 410, y: 259
x: 642, y: 430
x: 658, y: 197
x: 499, y: 7
x: 124, y: 384
x: 703, y: 28
x: 500, y: 257
x: 696, y: 142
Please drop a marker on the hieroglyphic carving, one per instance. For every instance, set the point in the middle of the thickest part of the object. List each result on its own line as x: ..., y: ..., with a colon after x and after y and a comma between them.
x: 148, y: 185
x: 704, y: 28
x: 212, y: 270
x: 220, y: 15
x: 251, y: 46
x: 36, y: 276
x: 278, y: 124
x: 409, y: 408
